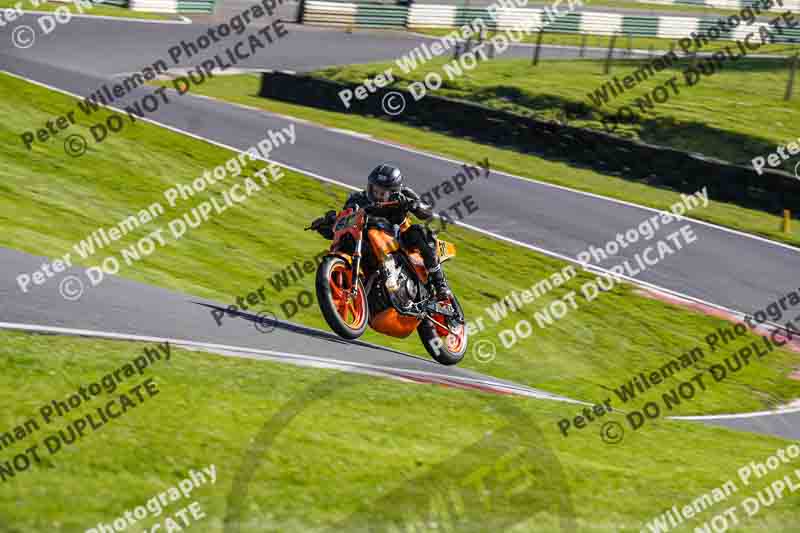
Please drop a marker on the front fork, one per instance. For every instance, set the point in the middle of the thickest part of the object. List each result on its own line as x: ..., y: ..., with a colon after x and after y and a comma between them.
x: 356, y: 266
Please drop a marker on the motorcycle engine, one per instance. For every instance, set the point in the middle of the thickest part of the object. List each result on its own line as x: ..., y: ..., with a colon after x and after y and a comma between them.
x: 399, y: 285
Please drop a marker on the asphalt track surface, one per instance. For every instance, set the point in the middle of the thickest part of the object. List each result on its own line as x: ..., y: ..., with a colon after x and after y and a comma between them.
x: 723, y: 268
x: 129, y: 308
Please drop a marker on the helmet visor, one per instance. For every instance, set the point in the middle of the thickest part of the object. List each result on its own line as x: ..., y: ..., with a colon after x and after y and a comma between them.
x: 381, y: 194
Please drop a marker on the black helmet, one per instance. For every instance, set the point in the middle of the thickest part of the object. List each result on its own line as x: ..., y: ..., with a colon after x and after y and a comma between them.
x: 384, y: 180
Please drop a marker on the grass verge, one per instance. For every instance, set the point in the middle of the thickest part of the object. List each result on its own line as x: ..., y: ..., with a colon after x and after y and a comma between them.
x: 698, y: 119
x: 367, y: 452
x: 50, y: 201
x: 361, y: 453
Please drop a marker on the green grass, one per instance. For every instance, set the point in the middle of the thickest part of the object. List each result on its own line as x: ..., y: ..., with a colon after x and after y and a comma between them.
x: 371, y: 447
x: 336, y: 452
x: 49, y: 201
x: 97, y: 10
x: 544, y: 95
x: 703, y: 121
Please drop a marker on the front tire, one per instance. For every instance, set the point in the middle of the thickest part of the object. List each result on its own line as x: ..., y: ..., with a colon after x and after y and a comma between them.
x: 348, y: 319
x: 446, y: 350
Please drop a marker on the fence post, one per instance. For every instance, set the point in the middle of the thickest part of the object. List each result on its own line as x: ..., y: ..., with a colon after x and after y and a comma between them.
x: 790, y: 83
x: 611, y: 44
x: 630, y: 45
x: 787, y: 221
x: 693, y: 59
x: 535, y: 60
x: 583, y: 44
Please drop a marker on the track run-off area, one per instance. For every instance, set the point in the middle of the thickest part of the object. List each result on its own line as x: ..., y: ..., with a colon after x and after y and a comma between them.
x: 731, y: 273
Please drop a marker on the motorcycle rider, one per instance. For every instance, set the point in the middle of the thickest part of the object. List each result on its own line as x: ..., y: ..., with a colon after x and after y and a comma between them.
x: 385, y: 183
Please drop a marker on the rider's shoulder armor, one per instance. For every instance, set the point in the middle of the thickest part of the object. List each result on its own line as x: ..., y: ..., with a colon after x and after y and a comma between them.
x: 357, y: 197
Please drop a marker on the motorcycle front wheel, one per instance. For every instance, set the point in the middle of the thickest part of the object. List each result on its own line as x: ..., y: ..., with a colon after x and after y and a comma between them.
x: 346, y: 315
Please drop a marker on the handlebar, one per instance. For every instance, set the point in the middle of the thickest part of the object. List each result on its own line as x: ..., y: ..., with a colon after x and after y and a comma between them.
x: 382, y: 205
x: 328, y: 218
x: 319, y: 222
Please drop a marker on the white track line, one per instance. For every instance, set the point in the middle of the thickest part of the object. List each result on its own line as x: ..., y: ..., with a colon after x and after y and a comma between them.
x: 183, y: 132
x: 369, y: 138
x: 532, y: 247
x: 309, y: 359
x: 585, y: 193
x: 320, y: 362
x: 469, y: 226
x: 757, y: 414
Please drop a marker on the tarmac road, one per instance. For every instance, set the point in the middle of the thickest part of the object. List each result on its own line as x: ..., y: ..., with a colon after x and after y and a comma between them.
x: 722, y: 268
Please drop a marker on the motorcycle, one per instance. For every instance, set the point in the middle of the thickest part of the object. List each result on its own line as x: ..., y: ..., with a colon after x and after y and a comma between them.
x: 368, y: 279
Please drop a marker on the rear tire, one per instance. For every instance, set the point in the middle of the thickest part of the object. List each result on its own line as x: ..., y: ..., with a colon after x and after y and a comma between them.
x: 448, y: 350
x: 333, y: 282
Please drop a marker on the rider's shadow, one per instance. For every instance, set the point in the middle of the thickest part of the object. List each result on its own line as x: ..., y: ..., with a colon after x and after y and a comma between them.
x: 267, y: 324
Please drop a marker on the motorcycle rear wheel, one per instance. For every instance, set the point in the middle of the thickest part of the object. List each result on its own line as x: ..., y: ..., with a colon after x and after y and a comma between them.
x: 446, y: 350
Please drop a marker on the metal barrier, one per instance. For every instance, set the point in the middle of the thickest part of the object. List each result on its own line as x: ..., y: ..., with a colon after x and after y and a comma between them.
x: 352, y: 14
x: 173, y: 6
x: 195, y: 6
x: 421, y: 16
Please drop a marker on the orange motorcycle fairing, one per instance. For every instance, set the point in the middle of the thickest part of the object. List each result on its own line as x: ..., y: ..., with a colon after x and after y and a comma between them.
x: 382, y: 244
x: 390, y: 322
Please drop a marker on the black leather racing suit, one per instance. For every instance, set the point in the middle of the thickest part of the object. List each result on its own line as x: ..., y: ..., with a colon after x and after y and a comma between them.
x: 416, y: 235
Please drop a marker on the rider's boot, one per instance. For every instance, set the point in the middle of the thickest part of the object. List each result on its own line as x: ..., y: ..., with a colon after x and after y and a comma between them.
x: 439, y: 282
